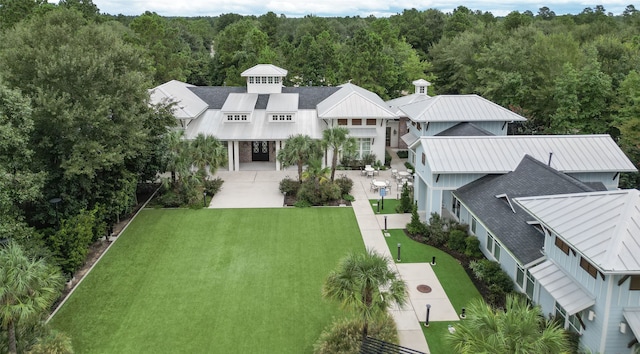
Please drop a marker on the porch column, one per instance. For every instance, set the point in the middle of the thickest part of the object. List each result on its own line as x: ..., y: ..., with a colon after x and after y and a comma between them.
x: 230, y: 155
x: 236, y: 155
x: 277, y: 143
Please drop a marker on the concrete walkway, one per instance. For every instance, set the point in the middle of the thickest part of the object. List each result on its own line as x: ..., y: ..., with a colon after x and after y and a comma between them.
x: 259, y: 189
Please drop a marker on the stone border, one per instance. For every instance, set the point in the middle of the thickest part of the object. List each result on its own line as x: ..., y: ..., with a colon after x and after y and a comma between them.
x: 99, y: 258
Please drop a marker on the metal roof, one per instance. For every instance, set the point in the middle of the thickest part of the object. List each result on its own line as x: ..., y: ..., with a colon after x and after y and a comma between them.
x: 601, y: 226
x: 501, y: 154
x: 632, y: 315
x: 259, y: 128
x: 458, y: 108
x: 465, y: 129
x: 240, y: 102
x: 571, y: 295
x: 421, y: 82
x: 264, y: 70
x: 363, y: 132
x: 188, y: 105
x: 395, y: 103
x: 512, y: 229
x: 352, y: 101
x: 409, y: 138
x: 283, y: 102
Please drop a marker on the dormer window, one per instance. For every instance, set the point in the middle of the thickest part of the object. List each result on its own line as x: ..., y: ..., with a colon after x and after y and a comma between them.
x: 236, y: 117
x: 422, y: 89
x: 282, y: 117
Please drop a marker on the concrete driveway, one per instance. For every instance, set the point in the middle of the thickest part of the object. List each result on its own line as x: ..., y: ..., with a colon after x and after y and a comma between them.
x: 250, y: 189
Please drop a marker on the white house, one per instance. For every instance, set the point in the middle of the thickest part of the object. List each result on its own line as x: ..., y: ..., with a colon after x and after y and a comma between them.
x: 590, y: 278
x: 254, y: 121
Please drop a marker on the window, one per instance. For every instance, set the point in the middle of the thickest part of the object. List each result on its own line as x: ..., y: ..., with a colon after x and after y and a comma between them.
x: 342, y: 122
x: 573, y: 323
x: 474, y: 225
x: 562, y: 245
x: 421, y: 89
x: 251, y: 78
x: 493, y: 246
x: 289, y: 117
x: 634, y: 284
x: 588, y: 267
x: 363, y: 147
x: 270, y: 79
x: 424, y: 158
x: 371, y: 122
x: 264, y: 79
x: 356, y: 122
x: 455, y: 207
x: 525, y: 281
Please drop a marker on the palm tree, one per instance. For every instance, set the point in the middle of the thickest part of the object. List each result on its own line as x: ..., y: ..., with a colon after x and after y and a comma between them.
x: 177, y: 150
x: 518, y: 329
x: 364, y: 283
x: 336, y: 139
x: 207, y: 154
x: 27, y: 289
x: 299, y: 150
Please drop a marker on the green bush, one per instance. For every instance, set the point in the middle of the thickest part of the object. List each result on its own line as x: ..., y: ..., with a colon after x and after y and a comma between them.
x: 70, y: 244
x: 457, y: 240
x: 409, y: 166
x: 403, y: 154
x: 368, y: 159
x: 171, y: 199
x: 437, y: 234
x: 472, y: 249
x: 345, y: 183
x: 318, y: 193
x: 348, y: 197
x: 213, y: 186
x: 406, y: 201
x: 345, y: 336
x: 302, y: 204
x: 289, y: 186
x: 416, y: 227
x: 490, y: 272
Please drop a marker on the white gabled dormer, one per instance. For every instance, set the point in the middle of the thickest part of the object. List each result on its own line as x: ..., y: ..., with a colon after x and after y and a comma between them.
x: 264, y: 78
x: 421, y: 86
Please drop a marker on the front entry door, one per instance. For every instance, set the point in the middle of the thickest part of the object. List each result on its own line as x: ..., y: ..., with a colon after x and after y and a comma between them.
x: 260, y: 151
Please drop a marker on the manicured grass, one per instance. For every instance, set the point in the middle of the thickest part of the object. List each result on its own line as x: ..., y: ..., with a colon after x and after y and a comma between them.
x: 450, y: 273
x: 212, y: 281
x: 389, y: 206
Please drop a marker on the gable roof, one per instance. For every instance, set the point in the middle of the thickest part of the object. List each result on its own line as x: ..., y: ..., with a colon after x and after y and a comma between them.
x: 264, y: 70
x: 308, y: 96
x: 465, y: 129
x: 458, y: 108
x: 602, y: 226
x: 530, y: 178
x: 501, y: 154
x: 352, y: 101
x: 396, y: 103
x: 187, y: 104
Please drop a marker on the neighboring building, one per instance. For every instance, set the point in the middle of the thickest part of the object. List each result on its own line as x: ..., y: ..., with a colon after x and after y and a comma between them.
x: 254, y: 121
x: 591, y: 276
x: 507, y: 233
x: 446, y: 163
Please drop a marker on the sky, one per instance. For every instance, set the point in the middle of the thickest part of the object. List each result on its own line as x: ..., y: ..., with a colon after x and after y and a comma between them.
x: 340, y: 8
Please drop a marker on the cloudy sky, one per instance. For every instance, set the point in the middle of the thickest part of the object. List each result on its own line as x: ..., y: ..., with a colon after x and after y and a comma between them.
x: 363, y: 8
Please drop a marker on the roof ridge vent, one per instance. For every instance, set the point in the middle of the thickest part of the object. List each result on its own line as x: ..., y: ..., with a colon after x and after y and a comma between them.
x: 506, y: 198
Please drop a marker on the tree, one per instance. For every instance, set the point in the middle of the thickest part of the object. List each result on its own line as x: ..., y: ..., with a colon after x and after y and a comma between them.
x: 364, y: 283
x: 337, y: 140
x: 299, y: 150
x: 207, y: 154
x: 27, y: 289
x: 518, y: 329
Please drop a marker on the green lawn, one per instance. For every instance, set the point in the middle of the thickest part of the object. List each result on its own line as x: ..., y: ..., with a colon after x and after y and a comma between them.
x: 389, y: 206
x: 450, y: 273
x: 223, y: 281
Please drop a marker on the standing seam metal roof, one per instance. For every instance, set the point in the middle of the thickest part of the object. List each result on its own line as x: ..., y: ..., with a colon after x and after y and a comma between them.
x: 458, y: 108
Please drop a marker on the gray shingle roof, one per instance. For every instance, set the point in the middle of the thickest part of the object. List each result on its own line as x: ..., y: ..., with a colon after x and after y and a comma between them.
x: 215, y: 96
x: 465, y: 129
x: 530, y: 178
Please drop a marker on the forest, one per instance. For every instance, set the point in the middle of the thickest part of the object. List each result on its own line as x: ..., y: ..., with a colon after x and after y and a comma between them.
x: 78, y: 137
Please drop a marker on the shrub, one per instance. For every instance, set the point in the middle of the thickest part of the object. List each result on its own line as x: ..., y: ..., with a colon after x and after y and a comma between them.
x: 490, y: 272
x: 406, y: 201
x: 302, y: 204
x: 213, y: 186
x: 345, y: 335
x: 403, y: 154
x: 457, y: 240
x: 289, y: 186
x: 171, y: 199
x: 472, y: 248
x: 437, y: 234
x: 348, y: 197
x: 368, y: 159
x: 387, y: 159
x: 416, y: 227
x: 408, y: 165
x: 318, y: 193
x: 345, y: 183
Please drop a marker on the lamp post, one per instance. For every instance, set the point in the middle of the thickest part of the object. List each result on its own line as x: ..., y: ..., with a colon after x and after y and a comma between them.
x: 399, y: 252
x: 385, y: 223
x: 426, y: 322
x: 204, y: 199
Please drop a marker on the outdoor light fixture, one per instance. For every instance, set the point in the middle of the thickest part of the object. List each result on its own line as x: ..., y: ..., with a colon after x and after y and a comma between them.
x: 399, y: 252
x: 463, y: 313
x: 204, y: 199
x: 385, y: 223
x: 433, y: 260
x: 426, y: 322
